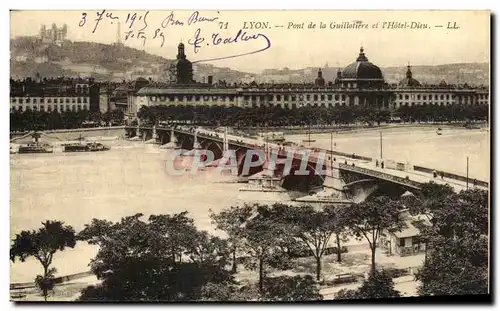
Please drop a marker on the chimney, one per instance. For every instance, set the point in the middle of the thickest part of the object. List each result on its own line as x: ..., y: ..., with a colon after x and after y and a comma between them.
x: 210, y: 80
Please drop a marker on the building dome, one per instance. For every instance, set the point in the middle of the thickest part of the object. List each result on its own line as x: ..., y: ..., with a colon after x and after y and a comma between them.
x: 409, y: 81
x: 362, y: 69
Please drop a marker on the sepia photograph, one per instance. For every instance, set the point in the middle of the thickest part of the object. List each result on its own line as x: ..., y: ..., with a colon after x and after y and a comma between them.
x: 250, y: 156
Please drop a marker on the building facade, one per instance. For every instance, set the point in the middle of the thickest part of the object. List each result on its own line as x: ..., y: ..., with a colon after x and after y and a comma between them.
x: 54, y: 95
x: 360, y: 83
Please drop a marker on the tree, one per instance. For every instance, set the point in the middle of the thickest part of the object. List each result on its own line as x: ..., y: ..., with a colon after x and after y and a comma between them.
x: 285, y: 288
x: 42, y: 244
x: 378, y: 285
x: 370, y: 218
x: 47, y: 282
x: 258, y: 234
x: 231, y: 221
x: 313, y: 228
x: 457, y: 261
x: 162, y: 259
x: 455, y: 267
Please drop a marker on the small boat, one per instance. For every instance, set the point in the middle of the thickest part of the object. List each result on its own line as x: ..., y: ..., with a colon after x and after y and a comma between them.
x: 88, y: 147
x: 36, y: 148
x: 439, y: 131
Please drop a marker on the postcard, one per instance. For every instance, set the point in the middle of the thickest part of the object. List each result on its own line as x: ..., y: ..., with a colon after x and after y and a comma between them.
x: 277, y: 156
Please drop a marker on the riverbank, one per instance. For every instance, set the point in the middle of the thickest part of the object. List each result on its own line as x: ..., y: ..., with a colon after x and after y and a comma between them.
x: 297, y: 130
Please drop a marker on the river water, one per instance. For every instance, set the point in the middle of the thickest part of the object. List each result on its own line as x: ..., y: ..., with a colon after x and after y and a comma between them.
x: 416, y: 145
x: 132, y: 178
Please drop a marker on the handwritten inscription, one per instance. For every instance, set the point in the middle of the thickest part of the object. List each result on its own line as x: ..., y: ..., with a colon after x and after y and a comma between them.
x: 139, y: 30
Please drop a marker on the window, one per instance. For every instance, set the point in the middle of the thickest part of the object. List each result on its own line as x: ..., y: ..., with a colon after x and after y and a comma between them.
x: 20, y: 108
x: 49, y: 100
x: 416, y: 240
x: 424, y: 97
x: 418, y: 96
x: 14, y: 100
x: 407, y: 97
x: 336, y: 97
x: 322, y: 97
x: 73, y: 100
x: 42, y: 108
x: 85, y: 100
x: 330, y: 97
x: 315, y: 97
x: 286, y: 97
x: 61, y: 108
x: 308, y: 97
x: 79, y: 107
x: 67, y: 100
x: 28, y: 100
x: 343, y: 97
x: 42, y: 100
x: 400, y: 96
x: 402, y: 242
x: 278, y: 97
x: 79, y: 100
x: 442, y: 97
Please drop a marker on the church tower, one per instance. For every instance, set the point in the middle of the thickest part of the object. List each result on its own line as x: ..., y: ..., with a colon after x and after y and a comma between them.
x: 181, y: 69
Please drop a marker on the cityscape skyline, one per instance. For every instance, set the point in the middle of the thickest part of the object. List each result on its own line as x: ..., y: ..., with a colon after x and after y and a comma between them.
x: 302, y: 52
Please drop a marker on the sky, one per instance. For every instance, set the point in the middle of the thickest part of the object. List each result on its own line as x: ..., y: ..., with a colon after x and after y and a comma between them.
x: 295, y: 47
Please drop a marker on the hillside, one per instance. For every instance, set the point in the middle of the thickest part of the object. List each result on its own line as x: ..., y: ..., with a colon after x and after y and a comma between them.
x: 114, y: 62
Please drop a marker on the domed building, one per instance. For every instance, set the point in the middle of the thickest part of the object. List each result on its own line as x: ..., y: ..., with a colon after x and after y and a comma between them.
x: 364, y: 84
x: 181, y: 69
x: 362, y: 74
x: 409, y: 81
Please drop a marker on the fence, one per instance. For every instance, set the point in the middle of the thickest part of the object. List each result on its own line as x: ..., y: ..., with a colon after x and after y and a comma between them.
x: 401, y: 180
x: 450, y: 175
x: 58, y: 280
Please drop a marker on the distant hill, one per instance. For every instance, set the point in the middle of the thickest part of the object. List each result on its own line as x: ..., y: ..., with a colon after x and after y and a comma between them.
x: 114, y: 62
x: 470, y: 73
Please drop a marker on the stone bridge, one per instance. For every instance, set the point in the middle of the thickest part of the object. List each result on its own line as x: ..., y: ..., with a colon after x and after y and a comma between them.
x: 357, y: 178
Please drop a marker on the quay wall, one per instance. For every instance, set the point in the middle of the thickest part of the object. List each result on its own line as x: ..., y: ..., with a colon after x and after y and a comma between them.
x: 71, y: 134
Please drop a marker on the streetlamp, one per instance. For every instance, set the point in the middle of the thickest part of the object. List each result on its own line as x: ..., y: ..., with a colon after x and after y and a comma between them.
x: 381, y: 145
x: 467, y: 177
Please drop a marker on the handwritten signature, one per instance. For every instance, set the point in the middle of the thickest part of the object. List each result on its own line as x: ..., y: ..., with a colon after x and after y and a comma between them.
x: 194, y: 18
x: 217, y: 40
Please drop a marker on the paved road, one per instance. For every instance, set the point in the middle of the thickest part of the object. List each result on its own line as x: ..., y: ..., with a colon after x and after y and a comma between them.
x: 413, y: 175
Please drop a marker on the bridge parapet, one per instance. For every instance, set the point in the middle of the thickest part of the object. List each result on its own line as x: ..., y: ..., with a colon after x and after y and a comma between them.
x: 377, y: 174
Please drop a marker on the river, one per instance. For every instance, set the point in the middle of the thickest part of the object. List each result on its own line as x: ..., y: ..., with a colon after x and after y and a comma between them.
x: 416, y: 145
x: 132, y: 178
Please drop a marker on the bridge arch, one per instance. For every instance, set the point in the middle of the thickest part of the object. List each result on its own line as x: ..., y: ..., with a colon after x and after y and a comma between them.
x: 303, y: 183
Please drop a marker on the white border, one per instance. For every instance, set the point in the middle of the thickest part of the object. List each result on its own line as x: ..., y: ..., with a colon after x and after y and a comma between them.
x: 199, y: 4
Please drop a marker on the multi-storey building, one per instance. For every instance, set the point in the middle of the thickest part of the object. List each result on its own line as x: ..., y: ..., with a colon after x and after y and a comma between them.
x: 54, y: 95
x: 360, y: 83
